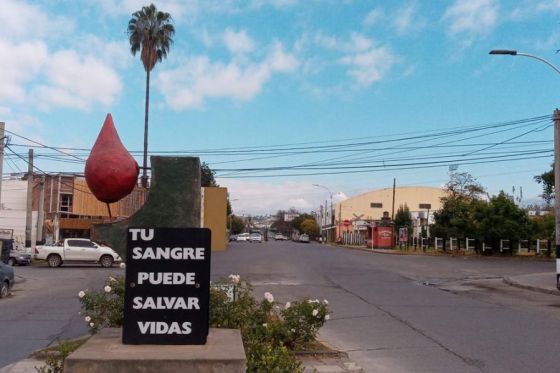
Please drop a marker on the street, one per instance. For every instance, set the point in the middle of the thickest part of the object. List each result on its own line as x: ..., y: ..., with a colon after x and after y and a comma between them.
x: 44, y: 307
x: 390, y: 313
x: 412, y: 313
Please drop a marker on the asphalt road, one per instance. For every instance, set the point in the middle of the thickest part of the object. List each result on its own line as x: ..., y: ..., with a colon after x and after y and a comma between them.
x: 44, y: 307
x: 390, y: 313
x: 412, y: 313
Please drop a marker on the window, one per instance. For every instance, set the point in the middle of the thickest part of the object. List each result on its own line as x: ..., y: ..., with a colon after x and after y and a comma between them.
x: 65, y: 203
x: 425, y: 206
x: 376, y: 205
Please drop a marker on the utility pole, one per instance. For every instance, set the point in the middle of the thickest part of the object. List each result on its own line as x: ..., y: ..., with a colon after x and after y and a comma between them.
x: 2, y: 135
x: 29, y: 210
x: 393, y: 208
x: 556, y: 117
x: 41, y: 212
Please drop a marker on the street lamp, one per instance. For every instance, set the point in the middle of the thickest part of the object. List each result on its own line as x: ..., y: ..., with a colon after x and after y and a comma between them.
x: 556, y: 118
x: 330, y: 195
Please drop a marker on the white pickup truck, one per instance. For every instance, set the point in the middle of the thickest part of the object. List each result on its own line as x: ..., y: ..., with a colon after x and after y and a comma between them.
x: 76, y: 250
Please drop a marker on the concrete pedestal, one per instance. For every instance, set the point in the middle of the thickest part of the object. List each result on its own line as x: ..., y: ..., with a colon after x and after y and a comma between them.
x: 104, y: 352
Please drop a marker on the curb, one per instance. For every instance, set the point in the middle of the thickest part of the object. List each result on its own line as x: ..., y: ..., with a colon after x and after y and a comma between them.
x: 516, y: 284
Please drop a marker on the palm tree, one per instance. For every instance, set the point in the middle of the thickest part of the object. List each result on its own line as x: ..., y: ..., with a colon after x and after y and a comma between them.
x: 150, y: 32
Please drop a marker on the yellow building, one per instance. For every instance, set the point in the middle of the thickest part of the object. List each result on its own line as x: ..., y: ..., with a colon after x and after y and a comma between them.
x: 351, y: 214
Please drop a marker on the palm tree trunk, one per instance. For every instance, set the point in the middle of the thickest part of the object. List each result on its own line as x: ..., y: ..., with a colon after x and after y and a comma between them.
x: 145, y: 160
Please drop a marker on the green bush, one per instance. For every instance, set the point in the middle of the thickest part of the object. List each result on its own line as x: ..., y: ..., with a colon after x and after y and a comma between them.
x: 270, y: 332
x: 55, y: 357
x: 105, y: 308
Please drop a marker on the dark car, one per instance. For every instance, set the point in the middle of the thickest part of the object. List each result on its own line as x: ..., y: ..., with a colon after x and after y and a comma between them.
x: 19, y: 258
x: 6, y: 279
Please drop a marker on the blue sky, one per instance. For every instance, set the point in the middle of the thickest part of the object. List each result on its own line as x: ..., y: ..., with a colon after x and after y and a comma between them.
x: 285, y: 83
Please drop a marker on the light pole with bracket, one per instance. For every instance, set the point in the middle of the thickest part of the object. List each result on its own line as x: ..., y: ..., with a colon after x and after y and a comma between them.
x: 556, y: 119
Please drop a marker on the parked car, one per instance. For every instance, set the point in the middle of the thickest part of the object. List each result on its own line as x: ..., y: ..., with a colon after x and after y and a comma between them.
x: 280, y: 237
x: 304, y: 238
x: 233, y: 237
x: 6, y: 279
x: 256, y: 237
x: 243, y: 237
x: 77, y: 250
x: 20, y: 258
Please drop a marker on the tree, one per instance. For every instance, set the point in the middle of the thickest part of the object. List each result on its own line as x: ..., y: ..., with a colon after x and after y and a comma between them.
x: 463, y: 185
x: 456, y: 218
x: 279, y: 224
x: 500, y: 219
x: 309, y: 227
x: 403, y: 217
x: 547, y: 181
x: 297, y: 221
x: 149, y: 31
x: 235, y: 224
x: 207, y: 176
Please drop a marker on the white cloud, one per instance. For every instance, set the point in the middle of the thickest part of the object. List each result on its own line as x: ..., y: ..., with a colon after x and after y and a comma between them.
x: 111, y: 53
x: 5, y: 111
x: 176, y: 8
x: 255, y: 197
x: 369, y: 66
x: 262, y: 197
x: 77, y: 82
x: 19, y: 64
x: 374, y: 17
x: 472, y: 17
x: 200, y: 78
x: 548, y: 6
x: 275, y: 3
x: 20, y: 20
x: 408, y: 20
x: 238, y: 42
x: 366, y: 62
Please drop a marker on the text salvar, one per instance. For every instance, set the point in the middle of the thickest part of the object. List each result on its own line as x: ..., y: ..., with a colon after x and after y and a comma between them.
x: 176, y: 253
x: 165, y: 303
x: 161, y: 327
x: 166, y: 278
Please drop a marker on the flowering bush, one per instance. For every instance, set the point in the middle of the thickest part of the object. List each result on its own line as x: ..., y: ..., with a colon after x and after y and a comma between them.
x: 270, y: 332
x: 104, y: 308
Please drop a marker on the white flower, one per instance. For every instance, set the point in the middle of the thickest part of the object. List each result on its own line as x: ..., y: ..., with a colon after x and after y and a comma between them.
x: 82, y: 294
x: 269, y: 297
x: 265, y: 325
x: 122, y: 265
x: 315, y: 312
x: 87, y: 318
x: 288, y: 305
x: 112, y: 279
x: 327, y: 317
x: 325, y: 301
x: 234, y: 278
x: 293, y: 330
x: 91, y: 324
x: 107, y: 289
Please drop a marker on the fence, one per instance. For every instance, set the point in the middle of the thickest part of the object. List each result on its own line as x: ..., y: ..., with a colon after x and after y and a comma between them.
x: 353, y: 238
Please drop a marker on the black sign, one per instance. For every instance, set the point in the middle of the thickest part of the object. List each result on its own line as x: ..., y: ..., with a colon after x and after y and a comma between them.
x: 167, y: 286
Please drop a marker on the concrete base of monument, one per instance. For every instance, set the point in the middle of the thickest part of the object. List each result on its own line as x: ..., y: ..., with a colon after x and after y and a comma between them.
x: 104, y: 352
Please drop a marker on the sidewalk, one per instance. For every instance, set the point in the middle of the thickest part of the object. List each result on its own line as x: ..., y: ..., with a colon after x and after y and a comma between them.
x: 540, y: 282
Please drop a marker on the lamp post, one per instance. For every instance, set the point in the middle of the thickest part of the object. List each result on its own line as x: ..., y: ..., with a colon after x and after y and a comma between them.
x: 330, y: 195
x: 556, y: 118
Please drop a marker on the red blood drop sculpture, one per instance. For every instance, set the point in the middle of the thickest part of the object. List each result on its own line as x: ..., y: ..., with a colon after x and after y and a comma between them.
x: 111, y: 172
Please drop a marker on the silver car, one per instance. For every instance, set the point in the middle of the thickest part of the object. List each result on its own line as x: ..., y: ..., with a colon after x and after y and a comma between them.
x: 6, y: 279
